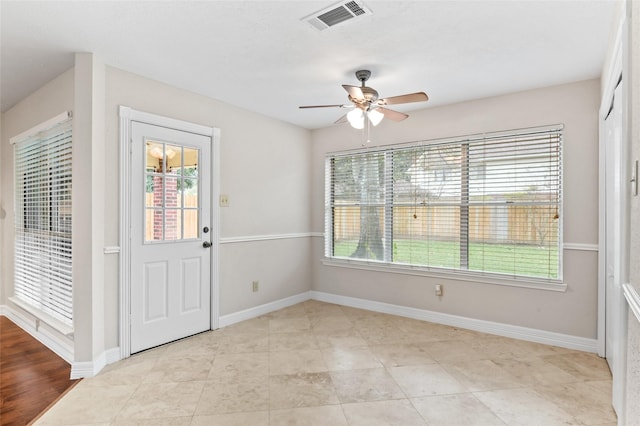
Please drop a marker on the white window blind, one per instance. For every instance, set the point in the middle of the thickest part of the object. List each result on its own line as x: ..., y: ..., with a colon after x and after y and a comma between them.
x: 488, y: 204
x: 43, y: 262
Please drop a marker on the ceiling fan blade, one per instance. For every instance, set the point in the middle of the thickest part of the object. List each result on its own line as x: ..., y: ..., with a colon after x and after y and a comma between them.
x: 341, y: 120
x: 392, y: 115
x: 404, y: 99
x: 324, y: 106
x: 354, y: 91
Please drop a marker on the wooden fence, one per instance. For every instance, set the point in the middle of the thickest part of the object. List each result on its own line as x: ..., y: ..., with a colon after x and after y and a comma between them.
x: 190, y: 218
x: 534, y: 225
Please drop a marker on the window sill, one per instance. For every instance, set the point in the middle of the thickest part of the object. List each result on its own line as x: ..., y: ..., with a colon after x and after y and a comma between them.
x: 524, y: 282
x: 43, y: 316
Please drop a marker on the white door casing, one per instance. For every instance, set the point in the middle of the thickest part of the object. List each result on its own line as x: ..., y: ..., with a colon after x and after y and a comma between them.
x: 168, y: 282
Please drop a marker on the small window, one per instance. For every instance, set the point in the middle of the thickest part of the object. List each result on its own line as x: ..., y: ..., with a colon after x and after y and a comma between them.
x: 43, y: 261
x: 488, y: 204
x: 172, y: 199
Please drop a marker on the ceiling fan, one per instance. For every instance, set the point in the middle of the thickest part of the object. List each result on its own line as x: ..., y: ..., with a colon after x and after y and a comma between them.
x: 367, y: 104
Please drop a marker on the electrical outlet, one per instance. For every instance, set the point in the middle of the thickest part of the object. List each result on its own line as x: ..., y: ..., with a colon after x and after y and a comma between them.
x: 438, y: 290
x: 224, y: 200
x: 255, y: 286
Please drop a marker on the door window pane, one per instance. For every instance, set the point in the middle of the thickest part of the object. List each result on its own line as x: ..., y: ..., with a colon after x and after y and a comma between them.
x: 171, y: 182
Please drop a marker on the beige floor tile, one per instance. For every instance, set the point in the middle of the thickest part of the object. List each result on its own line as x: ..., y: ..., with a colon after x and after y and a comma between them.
x: 335, y: 322
x: 328, y: 415
x: 234, y: 394
x: 365, y: 385
x: 339, y: 338
x: 350, y: 358
x: 496, y: 347
x: 357, y: 313
x: 283, y: 325
x: 156, y: 352
x: 256, y: 418
x: 381, y: 413
x: 294, y: 362
x: 180, y: 370
x: 254, y: 325
x: 422, y: 331
x: 534, y: 371
x: 292, y: 341
x: 316, y: 309
x: 385, y: 334
x: 482, y: 375
x: 455, y: 410
x: 524, y: 407
x: 297, y: 310
x: 202, y: 345
x: 243, y: 343
x: 301, y: 390
x: 369, y: 362
x: 243, y: 364
x: 581, y: 365
x: 132, y: 370
x: 426, y: 380
x: 157, y: 400
x: 170, y: 421
x: 452, y: 351
x: 589, y: 402
x: 86, y: 404
x: 401, y: 354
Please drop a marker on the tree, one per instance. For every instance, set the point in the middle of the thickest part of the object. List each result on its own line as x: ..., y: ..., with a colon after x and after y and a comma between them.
x: 368, y: 173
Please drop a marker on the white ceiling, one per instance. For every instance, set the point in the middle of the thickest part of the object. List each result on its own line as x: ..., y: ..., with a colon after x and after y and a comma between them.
x: 258, y: 55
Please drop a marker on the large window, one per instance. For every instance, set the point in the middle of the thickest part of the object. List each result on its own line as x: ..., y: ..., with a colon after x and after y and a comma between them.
x: 487, y: 204
x: 43, y: 265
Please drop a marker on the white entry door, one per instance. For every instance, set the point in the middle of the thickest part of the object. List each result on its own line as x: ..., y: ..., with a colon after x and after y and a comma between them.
x: 170, y: 235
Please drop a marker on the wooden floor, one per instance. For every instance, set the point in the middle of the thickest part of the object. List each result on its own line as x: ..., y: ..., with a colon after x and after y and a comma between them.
x: 31, y: 375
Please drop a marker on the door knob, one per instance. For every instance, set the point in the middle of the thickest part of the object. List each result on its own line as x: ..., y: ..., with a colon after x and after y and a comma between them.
x: 206, y: 244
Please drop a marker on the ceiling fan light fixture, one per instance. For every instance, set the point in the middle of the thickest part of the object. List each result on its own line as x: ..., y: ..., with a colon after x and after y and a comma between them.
x: 375, y: 116
x: 356, y: 118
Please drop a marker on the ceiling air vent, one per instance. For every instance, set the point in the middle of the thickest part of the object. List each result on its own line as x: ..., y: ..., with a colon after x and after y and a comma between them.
x: 336, y: 14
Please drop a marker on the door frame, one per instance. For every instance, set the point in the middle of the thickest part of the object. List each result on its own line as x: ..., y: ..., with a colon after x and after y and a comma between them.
x: 618, y: 66
x: 127, y: 116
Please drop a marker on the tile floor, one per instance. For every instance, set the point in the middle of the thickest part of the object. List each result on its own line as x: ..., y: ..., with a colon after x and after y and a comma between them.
x: 316, y: 363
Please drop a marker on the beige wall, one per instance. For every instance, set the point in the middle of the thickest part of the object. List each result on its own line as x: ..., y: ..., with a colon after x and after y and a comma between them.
x: 573, y: 312
x: 264, y: 170
x: 45, y: 103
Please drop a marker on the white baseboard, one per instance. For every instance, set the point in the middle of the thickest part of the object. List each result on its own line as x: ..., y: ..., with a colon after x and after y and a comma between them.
x: 81, y: 370
x: 91, y: 368
x: 256, y: 311
x: 500, y: 329
x: 60, y: 345
x: 62, y: 348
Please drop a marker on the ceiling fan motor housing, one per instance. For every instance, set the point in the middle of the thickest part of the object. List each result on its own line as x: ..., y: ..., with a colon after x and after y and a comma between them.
x: 363, y: 75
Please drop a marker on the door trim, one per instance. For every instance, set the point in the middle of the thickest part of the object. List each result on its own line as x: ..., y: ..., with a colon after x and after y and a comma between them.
x: 128, y: 115
x: 618, y: 67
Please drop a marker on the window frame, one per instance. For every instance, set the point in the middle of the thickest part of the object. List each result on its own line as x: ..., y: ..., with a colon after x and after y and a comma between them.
x: 387, y: 265
x: 50, y: 261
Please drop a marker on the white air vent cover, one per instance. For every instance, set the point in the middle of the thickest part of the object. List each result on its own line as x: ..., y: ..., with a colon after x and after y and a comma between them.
x: 336, y: 14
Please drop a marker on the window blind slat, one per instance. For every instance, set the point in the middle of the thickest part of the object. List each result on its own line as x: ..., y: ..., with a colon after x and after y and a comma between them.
x: 43, y: 264
x: 486, y: 204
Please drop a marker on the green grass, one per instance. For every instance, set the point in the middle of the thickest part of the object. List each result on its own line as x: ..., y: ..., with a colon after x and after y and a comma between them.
x: 525, y: 260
